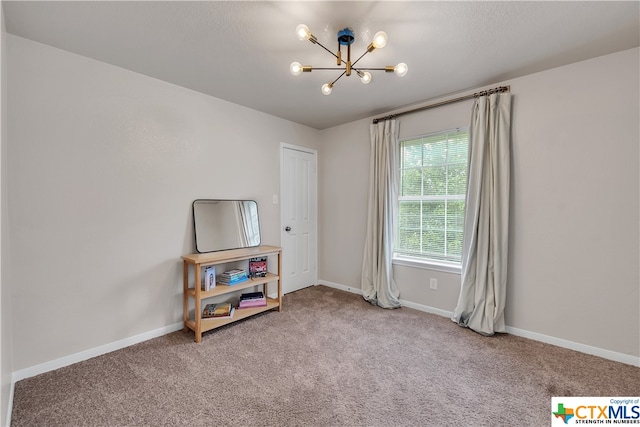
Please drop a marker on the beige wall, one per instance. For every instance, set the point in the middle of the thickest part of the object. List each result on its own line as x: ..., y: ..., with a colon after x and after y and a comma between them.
x: 6, y: 345
x: 574, y: 246
x: 104, y: 166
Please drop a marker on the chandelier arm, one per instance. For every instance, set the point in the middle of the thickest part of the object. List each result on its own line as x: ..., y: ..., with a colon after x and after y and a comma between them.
x: 334, y: 82
x: 356, y: 61
x: 322, y: 46
x: 353, y: 68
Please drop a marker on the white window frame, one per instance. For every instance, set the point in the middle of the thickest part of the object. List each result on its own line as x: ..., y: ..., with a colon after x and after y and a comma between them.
x: 419, y: 262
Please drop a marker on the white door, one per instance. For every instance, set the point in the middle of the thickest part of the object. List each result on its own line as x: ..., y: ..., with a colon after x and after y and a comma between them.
x: 298, y: 193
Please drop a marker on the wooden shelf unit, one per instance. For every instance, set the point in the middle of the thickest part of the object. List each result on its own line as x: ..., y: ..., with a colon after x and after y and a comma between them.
x: 198, y: 261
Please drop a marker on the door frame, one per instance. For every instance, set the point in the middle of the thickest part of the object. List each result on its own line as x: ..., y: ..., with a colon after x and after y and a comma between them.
x: 314, y: 153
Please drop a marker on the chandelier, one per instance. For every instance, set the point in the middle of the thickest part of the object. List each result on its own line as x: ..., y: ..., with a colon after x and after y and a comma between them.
x: 345, y: 38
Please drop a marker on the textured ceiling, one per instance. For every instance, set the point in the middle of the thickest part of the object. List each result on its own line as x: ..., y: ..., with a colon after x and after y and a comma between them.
x: 241, y: 51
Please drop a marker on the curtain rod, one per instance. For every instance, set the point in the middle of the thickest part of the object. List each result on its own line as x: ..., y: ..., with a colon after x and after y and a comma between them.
x: 500, y: 89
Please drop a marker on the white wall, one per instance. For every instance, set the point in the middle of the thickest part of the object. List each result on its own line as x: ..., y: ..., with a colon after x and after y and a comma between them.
x: 6, y: 345
x: 574, y: 246
x: 104, y: 166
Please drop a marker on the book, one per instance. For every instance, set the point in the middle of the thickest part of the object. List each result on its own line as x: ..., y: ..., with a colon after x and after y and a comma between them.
x: 209, y: 278
x: 232, y: 281
x: 252, y: 303
x: 231, y: 277
x: 252, y: 299
x: 220, y: 310
x: 258, y: 266
x: 251, y: 295
x: 234, y: 273
x: 234, y: 277
x: 226, y: 316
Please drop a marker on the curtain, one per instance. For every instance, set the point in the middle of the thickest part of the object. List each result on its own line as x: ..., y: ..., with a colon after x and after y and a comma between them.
x: 378, y: 286
x: 481, y: 301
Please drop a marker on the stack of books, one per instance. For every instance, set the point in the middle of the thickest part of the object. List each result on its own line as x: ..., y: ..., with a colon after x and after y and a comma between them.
x: 218, y: 311
x: 252, y: 299
x: 258, y: 266
x: 233, y: 277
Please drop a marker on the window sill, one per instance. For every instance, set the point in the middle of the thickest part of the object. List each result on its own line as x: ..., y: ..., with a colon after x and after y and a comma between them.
x: 427, y: 265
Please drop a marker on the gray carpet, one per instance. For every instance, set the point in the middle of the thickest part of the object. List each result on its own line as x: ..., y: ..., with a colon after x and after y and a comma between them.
x: 328, y: 359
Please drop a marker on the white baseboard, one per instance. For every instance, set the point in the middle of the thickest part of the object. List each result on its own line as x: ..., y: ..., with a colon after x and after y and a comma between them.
x: 404, y: 303
x: 341, y: 287
x: 559, y: 342
x: 582, y: 348
x: 92, y: 352
x: 427, y: 309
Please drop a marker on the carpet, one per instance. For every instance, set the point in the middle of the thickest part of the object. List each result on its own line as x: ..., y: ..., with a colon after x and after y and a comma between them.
x: 328, y: 359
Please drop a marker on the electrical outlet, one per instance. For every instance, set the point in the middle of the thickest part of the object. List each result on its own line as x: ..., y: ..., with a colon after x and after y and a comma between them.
x: 433, y: 283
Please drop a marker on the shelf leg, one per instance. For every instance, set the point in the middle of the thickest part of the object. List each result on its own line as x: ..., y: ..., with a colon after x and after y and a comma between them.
x: 280, y: 274
x: 198, y: 308
x: 185, y: 297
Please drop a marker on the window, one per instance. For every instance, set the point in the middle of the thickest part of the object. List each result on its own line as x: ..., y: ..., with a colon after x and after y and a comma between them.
x: 431, y: 197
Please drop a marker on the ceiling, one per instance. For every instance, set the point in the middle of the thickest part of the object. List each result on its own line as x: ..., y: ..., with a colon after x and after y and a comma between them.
x: 241, y: 51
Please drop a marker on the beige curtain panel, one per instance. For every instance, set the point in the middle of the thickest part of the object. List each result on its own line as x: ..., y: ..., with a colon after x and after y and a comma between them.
x: 378, y: 286
x: 482, y: 296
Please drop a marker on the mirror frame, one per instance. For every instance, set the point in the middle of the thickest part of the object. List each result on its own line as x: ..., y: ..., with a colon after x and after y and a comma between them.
x: 195, y: 226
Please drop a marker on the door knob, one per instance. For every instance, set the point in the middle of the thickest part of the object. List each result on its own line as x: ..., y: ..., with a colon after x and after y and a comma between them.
x: 287, y: 228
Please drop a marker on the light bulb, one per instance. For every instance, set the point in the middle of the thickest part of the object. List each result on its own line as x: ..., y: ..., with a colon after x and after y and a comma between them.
x: 365, y: 77
x: 327, y: 88
x: 295, y: 68
x: 401, y: 69
x: 303, y: 32
x: 379, y: 40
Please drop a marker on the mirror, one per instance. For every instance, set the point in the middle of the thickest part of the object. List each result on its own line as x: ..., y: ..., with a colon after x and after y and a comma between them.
x: 225, y: 224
